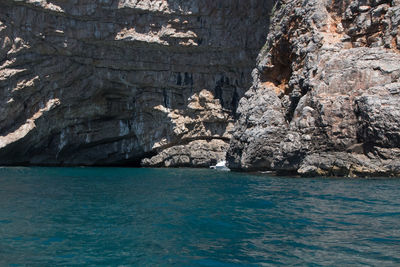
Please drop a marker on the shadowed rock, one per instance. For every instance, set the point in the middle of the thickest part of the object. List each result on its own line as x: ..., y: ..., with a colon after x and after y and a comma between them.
x: 112, y: 82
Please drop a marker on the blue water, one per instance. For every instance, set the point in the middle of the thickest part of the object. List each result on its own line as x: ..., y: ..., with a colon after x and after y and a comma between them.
x: 185, y: 217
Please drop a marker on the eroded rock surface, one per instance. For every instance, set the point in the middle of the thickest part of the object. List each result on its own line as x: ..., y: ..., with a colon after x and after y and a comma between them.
x: 124, y: 81
x: 325, y: 98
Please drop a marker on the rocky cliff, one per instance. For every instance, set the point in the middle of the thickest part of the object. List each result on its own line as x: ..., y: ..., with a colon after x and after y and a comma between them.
x: 110, y: 82
x: 325, y: 98
x: 158, y: 83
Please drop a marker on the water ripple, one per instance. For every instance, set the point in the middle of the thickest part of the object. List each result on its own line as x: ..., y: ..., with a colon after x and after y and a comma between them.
x: 184, y: 217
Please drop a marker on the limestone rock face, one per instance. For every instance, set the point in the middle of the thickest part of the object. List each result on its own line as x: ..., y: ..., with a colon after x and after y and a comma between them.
x: 87, y: 82
x: 325, y: 98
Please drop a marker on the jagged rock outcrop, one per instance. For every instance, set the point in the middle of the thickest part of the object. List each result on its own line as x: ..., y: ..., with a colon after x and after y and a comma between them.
x: 325, y: 98
x: 88, y: 82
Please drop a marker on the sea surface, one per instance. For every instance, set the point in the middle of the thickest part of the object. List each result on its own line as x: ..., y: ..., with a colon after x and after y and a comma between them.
x: 189, y: 217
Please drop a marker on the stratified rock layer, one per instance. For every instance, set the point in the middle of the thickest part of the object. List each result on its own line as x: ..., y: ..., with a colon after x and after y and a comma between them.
x: 325, y: 98
x: 114, y: 82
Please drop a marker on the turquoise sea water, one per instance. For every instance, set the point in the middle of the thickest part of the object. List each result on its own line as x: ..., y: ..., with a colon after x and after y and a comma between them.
x: 185, y: 217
